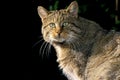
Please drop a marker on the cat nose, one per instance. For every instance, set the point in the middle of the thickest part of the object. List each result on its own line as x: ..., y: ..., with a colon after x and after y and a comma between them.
x: 58, y: 30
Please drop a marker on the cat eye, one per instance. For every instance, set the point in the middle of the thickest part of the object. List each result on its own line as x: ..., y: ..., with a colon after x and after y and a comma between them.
x: 65, y: 24
x: 52, y: 25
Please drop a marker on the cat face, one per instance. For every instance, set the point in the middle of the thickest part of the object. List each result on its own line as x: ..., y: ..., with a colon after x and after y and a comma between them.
x: 60, y: 26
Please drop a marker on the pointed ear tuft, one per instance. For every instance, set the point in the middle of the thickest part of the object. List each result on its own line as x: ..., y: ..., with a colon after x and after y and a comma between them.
x: 42, y: 12
x: 73, y: 9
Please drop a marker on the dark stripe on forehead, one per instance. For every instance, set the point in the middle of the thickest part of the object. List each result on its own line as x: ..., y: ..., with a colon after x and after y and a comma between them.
x: 55, y: 13
x: 60, y: 13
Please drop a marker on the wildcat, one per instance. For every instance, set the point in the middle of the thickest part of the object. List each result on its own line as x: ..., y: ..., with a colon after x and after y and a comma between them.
x: 85, y: 51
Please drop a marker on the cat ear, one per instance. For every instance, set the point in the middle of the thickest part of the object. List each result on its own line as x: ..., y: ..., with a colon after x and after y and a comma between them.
x: 42, y: 12
x: 73, y: 9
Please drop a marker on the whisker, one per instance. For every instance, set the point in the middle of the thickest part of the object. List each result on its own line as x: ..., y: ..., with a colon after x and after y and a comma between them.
x: 45, y: 52
x: 37, y: 43
x: 77, y: 46
x: 49, y: 49
x: 40, y: 37
x: 72, y: 45
x: 40, y: 51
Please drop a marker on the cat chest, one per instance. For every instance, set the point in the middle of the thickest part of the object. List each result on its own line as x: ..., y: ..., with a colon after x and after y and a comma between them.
x: 70, y: 73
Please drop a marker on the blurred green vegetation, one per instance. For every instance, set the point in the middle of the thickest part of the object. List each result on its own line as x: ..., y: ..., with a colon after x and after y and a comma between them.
x: 55, y: 6
x: 84, y: 7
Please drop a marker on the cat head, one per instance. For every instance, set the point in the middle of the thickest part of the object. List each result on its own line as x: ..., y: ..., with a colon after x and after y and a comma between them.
x: 72, y: 9
x: 59, y: 26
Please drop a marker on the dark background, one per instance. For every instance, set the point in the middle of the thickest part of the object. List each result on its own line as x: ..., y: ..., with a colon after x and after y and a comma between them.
x: 46, y: 67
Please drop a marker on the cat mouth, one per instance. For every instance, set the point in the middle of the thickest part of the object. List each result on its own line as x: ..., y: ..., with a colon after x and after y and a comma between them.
x: 60, y: 42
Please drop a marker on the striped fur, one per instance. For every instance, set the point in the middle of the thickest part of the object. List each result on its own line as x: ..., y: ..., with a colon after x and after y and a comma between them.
x: 85, y: 51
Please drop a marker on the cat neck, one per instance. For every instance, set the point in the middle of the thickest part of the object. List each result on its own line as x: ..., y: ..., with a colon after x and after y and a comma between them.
x: 67, y: 54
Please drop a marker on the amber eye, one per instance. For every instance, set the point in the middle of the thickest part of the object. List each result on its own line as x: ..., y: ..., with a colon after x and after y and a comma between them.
x: 52, y: 25
x: 65, y: 24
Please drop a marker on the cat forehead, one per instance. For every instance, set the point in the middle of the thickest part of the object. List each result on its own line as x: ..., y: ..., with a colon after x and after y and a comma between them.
x: 56, y: 16
x: 62, y: 11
